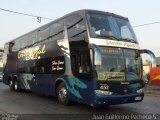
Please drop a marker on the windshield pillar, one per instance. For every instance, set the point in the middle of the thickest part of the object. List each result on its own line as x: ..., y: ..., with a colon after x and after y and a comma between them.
x: 97, y: 58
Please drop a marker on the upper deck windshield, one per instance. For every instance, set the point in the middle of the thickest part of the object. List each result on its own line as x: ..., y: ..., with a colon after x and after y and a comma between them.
x: 103, y: 26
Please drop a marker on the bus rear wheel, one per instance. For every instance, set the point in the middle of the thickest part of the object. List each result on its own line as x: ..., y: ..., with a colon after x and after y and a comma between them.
x: 16, y: 87
x: 11, y: 85
x: 62, y: 94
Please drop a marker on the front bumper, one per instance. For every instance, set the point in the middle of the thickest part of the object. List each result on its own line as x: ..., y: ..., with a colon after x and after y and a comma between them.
x: 104, y: 100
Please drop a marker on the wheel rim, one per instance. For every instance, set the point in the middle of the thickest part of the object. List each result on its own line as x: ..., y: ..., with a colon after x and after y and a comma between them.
x: 62, y: 94
x: 11, y: 83
x: 15, y: 85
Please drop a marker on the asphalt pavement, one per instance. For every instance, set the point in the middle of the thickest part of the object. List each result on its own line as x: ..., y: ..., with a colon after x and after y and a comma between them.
x: 29, y: 105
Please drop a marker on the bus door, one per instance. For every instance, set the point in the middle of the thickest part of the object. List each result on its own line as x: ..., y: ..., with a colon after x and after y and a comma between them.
x: 80, y: 64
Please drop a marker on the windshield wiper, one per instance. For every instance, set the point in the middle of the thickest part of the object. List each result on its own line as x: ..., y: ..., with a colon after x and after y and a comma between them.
x: 109, y: 36
x: 128, y: 40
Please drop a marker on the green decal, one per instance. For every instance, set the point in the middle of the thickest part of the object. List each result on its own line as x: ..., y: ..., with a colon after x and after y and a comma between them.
x: 73, y: 81
x: 25, y: 78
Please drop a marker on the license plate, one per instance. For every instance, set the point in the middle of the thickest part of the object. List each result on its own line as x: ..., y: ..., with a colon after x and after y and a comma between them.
x: 138, y: 98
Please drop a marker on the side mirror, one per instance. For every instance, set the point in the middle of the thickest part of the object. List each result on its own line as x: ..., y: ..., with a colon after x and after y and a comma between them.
x: 152, y: 55
x: 97, y: 57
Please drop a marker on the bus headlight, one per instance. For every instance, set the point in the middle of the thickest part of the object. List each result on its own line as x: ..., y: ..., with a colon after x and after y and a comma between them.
x: 140, y: 90
x: 101, y: 92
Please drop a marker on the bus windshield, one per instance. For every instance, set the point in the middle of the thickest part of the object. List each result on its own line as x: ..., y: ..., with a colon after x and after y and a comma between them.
x: 103, y: 26
x: 119, y: 65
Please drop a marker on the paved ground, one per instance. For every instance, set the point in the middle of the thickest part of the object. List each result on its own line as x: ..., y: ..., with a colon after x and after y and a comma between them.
x: 152, y: 90
x: 28, y: 105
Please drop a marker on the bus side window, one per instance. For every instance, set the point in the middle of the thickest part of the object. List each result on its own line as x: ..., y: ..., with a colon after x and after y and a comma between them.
x: 84, y: 62
x: 74, y: 66
x: 57, y: 31
x: 76, y: 28
x: 11, y: 44
x: 84, y: 65
x: 43, y: 33
x: 84, y: 68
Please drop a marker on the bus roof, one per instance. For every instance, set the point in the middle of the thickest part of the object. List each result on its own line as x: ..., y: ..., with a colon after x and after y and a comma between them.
x: 81, y: 12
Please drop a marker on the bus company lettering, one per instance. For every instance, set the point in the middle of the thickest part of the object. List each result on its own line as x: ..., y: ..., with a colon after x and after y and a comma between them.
x: 129, y: 45
x: 32, y: 53
x: 115, y: 43
x: 57, y: 65
x: 120, y: 44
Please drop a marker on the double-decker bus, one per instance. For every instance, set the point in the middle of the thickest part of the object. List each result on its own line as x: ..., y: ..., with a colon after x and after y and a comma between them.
x: 88, y: 56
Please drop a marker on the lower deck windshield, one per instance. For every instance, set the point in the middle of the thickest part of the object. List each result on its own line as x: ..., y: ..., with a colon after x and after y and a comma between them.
x: 119, y: 64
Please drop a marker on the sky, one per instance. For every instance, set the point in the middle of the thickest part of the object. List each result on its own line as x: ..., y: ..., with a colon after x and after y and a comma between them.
x: 138, y: 11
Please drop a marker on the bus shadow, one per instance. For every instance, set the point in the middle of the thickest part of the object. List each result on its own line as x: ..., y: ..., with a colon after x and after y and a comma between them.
x: 51, y: 104
x: 79, y: 108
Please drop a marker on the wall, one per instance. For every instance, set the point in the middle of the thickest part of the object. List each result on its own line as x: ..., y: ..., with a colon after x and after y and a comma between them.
x: 146, y: 69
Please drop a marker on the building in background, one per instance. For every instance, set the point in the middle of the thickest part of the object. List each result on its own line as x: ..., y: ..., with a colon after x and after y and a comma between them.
x: 1, y: 55
x: 158, y: 61
x: 146, y: 66
x: 155, y: 74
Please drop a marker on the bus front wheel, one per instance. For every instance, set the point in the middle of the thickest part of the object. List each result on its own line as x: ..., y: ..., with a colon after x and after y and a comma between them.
x: 62, y: 94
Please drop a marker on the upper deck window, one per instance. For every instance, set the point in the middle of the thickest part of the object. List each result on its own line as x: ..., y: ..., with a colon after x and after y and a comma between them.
x: 76, y: 28
x: 103, y: 26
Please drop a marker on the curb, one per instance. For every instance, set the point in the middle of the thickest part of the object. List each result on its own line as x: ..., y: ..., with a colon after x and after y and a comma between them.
x: 153, y: 95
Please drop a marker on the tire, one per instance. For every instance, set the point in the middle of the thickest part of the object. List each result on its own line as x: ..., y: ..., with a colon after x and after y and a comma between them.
x: 62, y: 94
x: 11, y: 85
